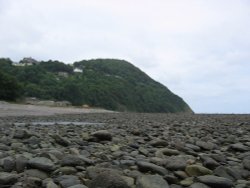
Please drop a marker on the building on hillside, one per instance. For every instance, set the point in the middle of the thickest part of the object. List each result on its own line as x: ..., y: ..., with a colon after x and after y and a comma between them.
x: 27, y: 61
x: 77, y: 70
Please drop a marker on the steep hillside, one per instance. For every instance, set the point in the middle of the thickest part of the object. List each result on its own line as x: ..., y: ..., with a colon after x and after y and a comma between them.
x: 108, y: 83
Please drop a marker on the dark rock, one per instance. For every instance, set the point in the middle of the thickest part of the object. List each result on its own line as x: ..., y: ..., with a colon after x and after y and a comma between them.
x: 215, y: 181
x: 171, y: 179
x: 159, y: 143
x: 209, y: 162
x: 108, y: 180
x: 102, y: 135
x: 75, y: 160
x: 32, y: 182
x: 145, y: 167
x: 9, y: 164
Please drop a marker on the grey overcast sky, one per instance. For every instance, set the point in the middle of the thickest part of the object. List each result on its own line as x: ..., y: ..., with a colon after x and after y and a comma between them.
x: 199, y: 49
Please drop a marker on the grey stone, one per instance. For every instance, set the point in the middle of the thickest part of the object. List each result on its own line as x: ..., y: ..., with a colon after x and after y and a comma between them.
x: 205, y: 145
x: 61, y: 140
x: 145, y: 167
x: 9, y: 164
x: 226, y: 172
x: 239, y: 147
x: 159, y: 143
x: 209, y: 162
x: 151, y: 181
x: 177, y: 162
x: 75, y: 160
x: 51, y: 184
x: 93, y: 172
x: 215, y: 181
x: 162, y: 153
x: 193, y: 147
x: 21, y: 163
x: 21, y: 134
x: 108, y: 180
x: 41, y: 163
x: 7, y: 178
x: 78, y: 186
x: 197, y: 170
x: 36, y: 173
x: 68, y: 180
x: 246, y: 163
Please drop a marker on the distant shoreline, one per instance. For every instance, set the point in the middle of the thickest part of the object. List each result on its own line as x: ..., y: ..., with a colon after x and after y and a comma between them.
x: 10, y: 109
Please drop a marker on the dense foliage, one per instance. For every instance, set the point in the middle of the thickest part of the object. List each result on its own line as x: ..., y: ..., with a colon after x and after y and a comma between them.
x: 108, y: 83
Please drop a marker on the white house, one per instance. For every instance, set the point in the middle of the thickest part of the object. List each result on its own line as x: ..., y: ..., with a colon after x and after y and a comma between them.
x: 77, y: 70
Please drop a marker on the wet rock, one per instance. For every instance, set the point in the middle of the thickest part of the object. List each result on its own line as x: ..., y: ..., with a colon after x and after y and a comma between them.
x: 151, y: 181
x: 215, y: 181
x: 41, y: 163
x: 197, y: 170
x: 145, y: 167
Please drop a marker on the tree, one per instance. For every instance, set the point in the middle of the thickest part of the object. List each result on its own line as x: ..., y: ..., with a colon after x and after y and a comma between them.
x: 10, y: 89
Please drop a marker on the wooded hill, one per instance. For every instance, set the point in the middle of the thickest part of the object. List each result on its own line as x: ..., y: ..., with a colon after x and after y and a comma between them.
x: 107, y: 83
